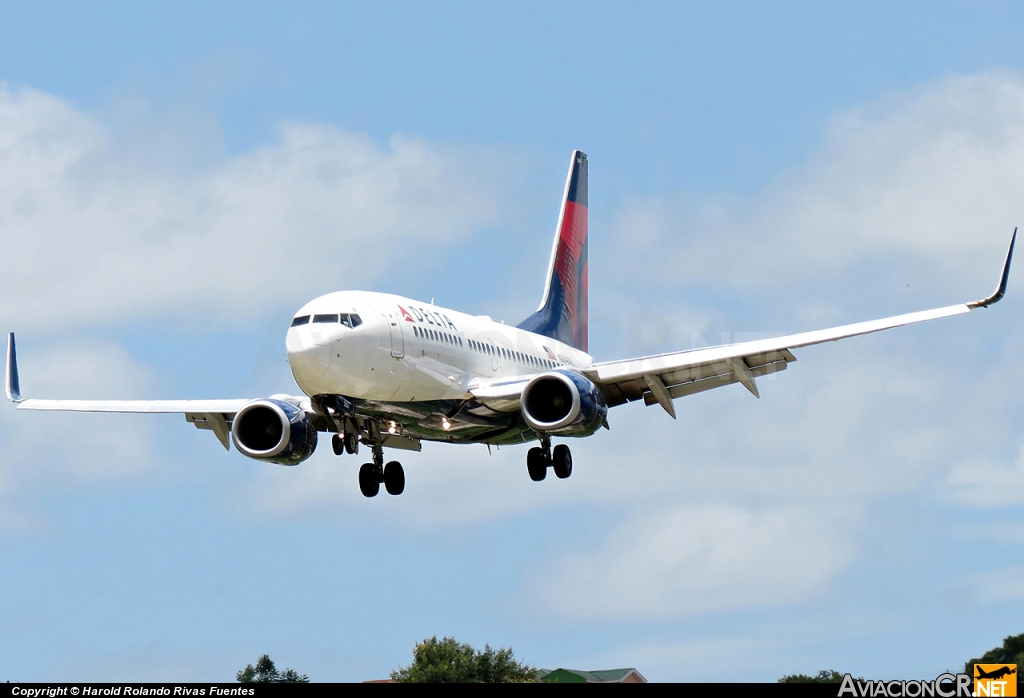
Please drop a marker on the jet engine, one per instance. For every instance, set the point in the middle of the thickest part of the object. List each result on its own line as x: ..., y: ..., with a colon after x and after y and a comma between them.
x: 563, y: 402
x: 274, y: 431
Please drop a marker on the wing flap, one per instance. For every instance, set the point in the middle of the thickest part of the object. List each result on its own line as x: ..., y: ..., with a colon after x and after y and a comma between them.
x: 716, y: 381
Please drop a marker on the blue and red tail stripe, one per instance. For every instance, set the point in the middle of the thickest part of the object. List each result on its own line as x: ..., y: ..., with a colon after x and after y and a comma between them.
x: 563, y: 311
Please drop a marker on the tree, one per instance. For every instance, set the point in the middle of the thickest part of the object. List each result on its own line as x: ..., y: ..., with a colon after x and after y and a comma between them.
x: 448, y: 661
x: 823, y: 676
x: 266, y: 672
x: 1011, y: 652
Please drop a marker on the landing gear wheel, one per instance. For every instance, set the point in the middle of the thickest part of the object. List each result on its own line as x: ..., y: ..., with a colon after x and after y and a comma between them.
x: 338, y: 444
x: 561, y: 461
x: 369, y: 479
x: 352, y: 442
x: 394, y: 478
x: 537, y: 464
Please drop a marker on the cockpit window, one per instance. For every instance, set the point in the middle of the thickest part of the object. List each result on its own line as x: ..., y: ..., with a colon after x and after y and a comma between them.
x: 346, y: 320
x: 356, y: 321
x: 300, y: 320
x: 325, y: 318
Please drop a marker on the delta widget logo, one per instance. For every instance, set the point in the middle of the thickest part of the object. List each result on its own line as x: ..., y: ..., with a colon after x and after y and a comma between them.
x: 995, y: 680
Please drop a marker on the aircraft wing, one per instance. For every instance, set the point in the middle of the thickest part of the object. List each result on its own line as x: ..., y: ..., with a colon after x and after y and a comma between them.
x: 226, y: 407
x: 500, y: 395
x: 214, y: 415
x: 660, y: 378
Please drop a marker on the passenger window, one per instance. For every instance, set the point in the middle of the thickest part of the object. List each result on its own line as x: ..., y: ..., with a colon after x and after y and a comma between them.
x: 300, y: 320
x: 356, y: 321
x: 325, y: 318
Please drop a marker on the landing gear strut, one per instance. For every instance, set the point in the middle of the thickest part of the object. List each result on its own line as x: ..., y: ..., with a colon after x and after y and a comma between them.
x: 540, y: 457
x: 371, y: 475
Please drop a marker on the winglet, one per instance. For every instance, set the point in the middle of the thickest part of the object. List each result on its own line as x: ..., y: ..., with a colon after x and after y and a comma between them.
x: 13, y: 384
x: 1001, y: 290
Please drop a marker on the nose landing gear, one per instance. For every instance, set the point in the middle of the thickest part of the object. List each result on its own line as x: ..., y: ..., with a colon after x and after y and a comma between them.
x: 540, y: 457
x: 371, y: 475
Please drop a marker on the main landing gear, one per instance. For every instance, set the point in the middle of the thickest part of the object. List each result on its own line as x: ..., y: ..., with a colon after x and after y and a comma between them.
x: 539, y: 458
x: 371, y: 475
x: 345, y: 443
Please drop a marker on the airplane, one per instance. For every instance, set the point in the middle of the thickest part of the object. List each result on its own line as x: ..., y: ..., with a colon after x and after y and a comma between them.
x: 390, y: 372
x: 995, y: 673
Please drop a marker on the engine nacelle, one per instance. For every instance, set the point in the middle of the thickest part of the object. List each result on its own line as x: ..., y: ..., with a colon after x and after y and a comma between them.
x: 563, y: 402
x: 274, y: 431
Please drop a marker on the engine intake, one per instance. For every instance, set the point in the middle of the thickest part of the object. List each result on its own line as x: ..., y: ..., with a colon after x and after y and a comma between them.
x: 274, y: 431
x: 563, y: 402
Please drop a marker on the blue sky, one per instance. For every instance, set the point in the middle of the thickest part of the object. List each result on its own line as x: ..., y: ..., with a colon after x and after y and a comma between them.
x: 177, y: 179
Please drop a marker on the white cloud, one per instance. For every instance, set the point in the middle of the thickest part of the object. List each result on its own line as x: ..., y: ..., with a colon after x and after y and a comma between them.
x: 694, y: 560
x: 992, y: 587
x: 931, y: 175
x: 46, y: 449
x: 91, y: 234
x: 986, y: 484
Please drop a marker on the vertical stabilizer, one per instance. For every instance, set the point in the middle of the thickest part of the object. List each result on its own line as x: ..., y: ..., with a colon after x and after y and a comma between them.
x: 562, y: 314
x: 13, y: 384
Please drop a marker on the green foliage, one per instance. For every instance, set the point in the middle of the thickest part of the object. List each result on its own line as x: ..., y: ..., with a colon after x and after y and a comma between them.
x: 266, y: 672
x: 447, y: 661
x: 1011, y: 652
x: 823, y: 676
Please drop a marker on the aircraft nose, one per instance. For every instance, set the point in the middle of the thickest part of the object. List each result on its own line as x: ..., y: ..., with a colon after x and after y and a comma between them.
x: 309, y: 353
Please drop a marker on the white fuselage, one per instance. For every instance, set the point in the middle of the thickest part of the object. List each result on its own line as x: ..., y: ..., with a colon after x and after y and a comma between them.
x: 406, y: 351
